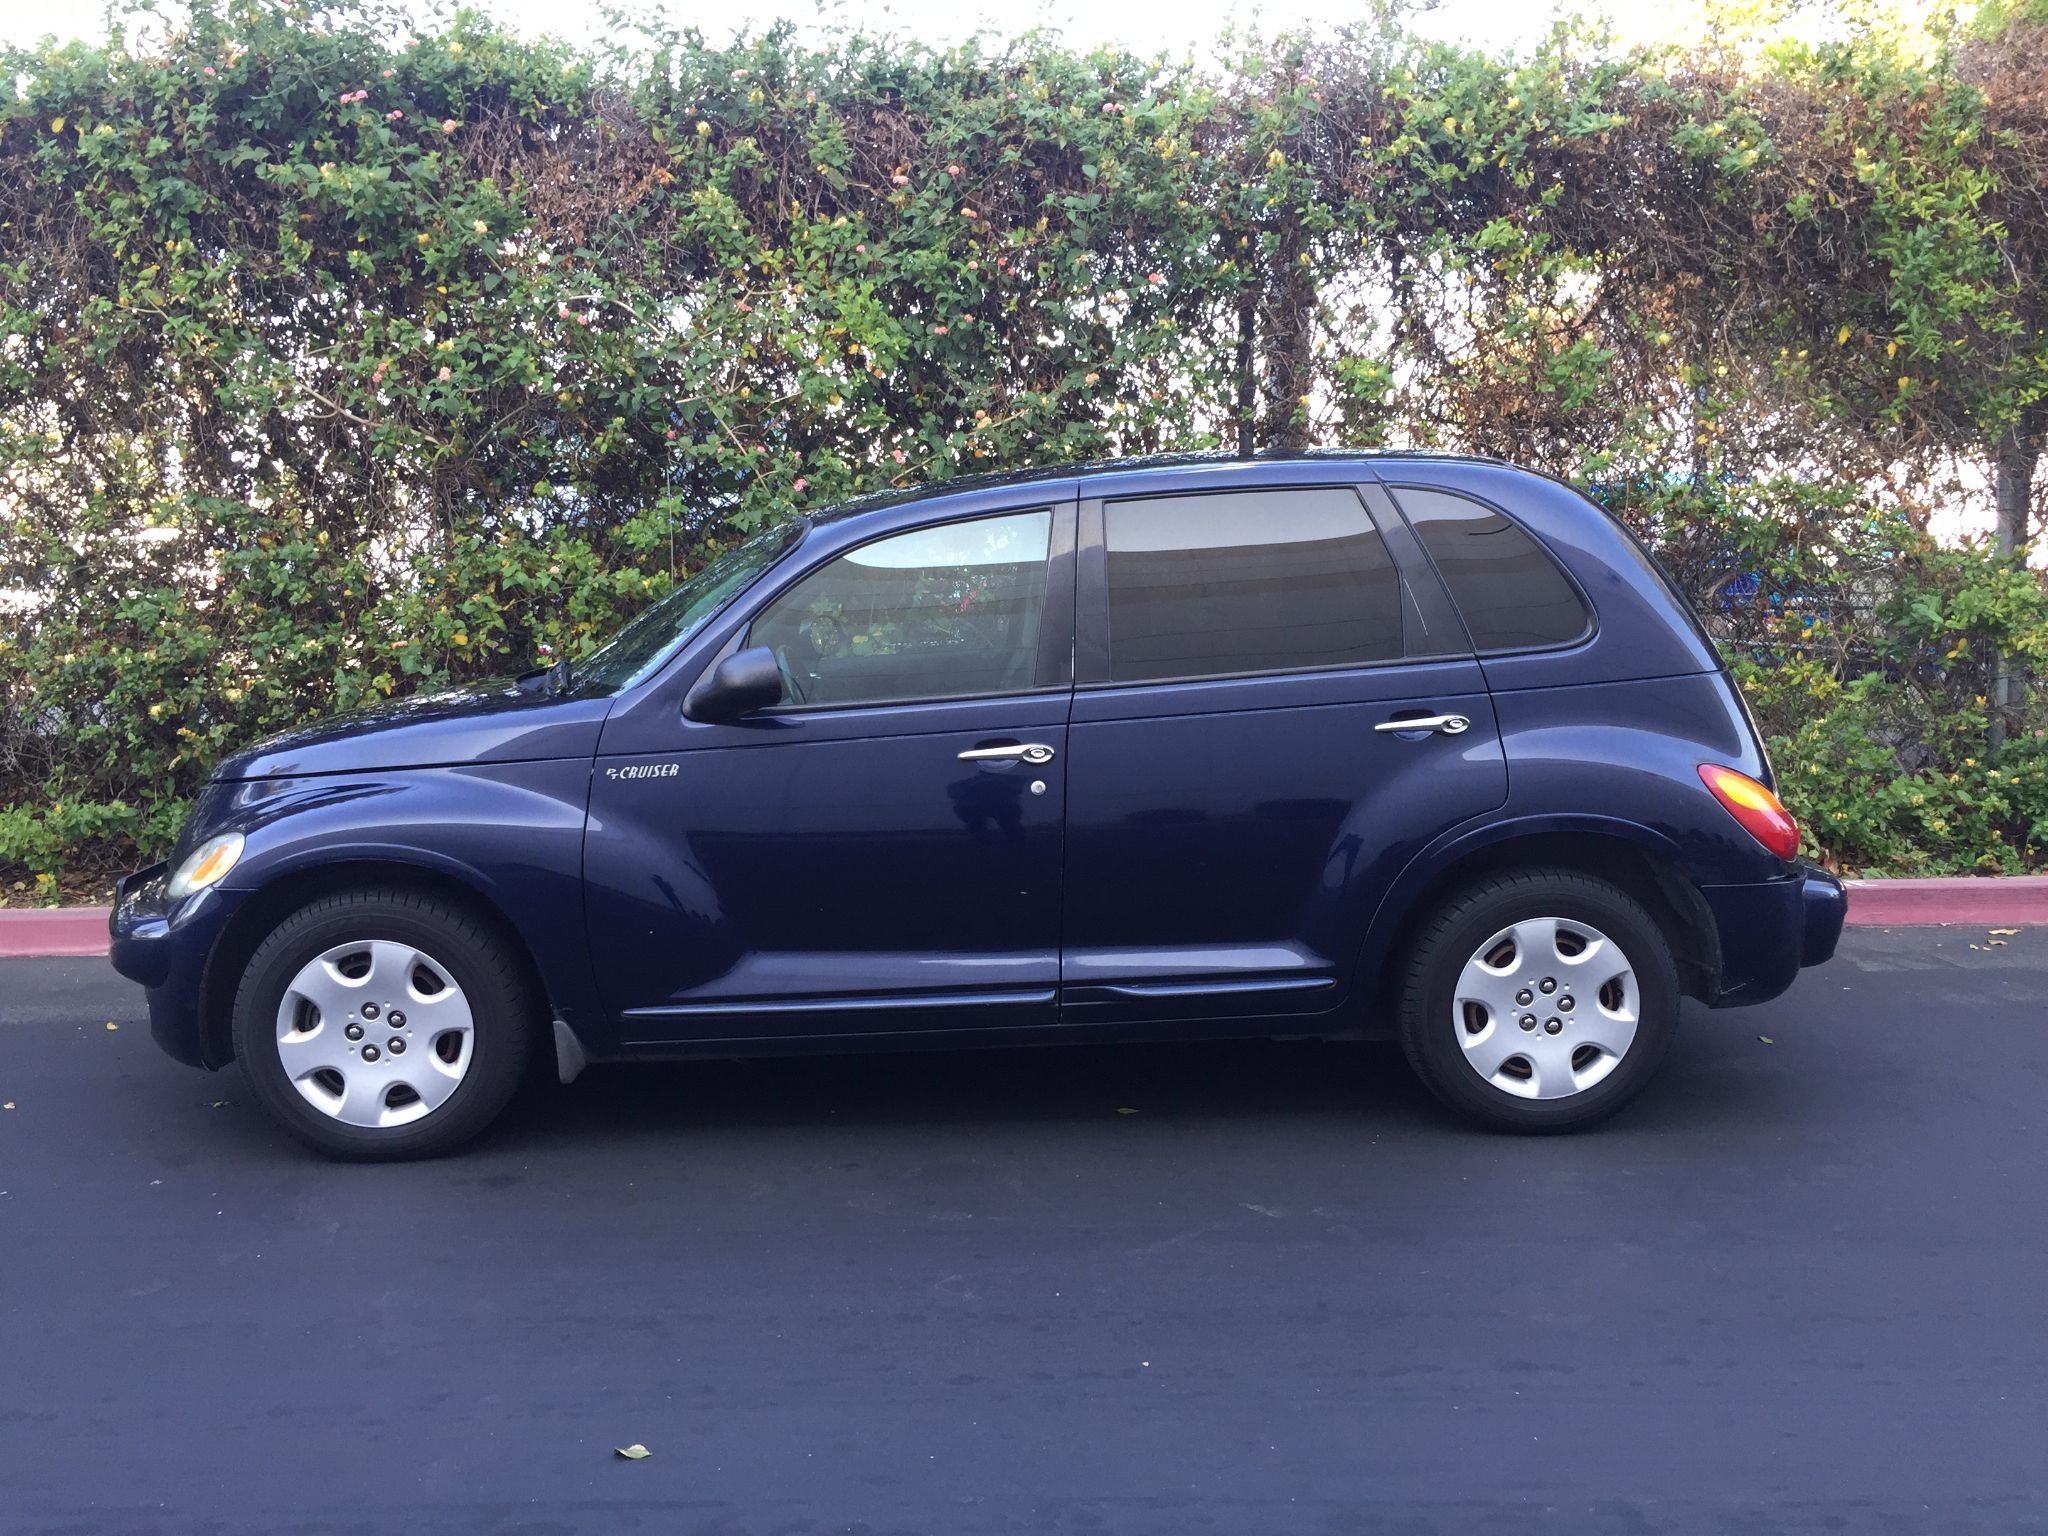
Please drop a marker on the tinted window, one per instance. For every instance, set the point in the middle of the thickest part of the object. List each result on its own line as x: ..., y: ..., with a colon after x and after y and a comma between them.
x: 931, y: 614
x: 1252, y: 581
x: 1510, y: 591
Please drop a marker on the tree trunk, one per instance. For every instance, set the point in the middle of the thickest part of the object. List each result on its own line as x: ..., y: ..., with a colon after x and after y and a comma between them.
x: 2014, y: 459
x: 1247, y: 373
x: 1290, y: 310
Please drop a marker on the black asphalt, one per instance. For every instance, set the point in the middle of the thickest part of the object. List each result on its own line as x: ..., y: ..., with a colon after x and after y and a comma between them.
x: 1801, y: 1286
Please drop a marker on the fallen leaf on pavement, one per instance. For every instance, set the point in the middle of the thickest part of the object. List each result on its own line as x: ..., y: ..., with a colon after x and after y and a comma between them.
x: 1994, y: 943
x: 634, y: 1452
x: 112, y: 1025
x: 1767, y: 1040
x: 1127, y: 1111
x: 8, y: 1105
x: 2005, y: 930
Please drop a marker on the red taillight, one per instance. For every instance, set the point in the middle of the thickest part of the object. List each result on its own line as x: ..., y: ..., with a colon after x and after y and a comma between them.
x: 1762, y: 814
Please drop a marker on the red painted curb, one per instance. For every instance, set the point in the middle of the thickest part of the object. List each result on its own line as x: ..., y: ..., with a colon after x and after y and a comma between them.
x: 45, y: 931
x: 2010, y: 901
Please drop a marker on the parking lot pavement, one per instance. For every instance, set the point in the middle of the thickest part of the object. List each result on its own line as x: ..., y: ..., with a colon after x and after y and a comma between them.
x: 1799, y: 1286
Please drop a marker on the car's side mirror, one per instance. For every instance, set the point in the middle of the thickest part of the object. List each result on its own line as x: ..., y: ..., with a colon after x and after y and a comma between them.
x: 742, y: 683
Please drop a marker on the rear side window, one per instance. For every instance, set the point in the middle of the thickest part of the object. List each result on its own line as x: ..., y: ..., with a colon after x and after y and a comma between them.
x: 1247, y: 581
x: 1513, y: 595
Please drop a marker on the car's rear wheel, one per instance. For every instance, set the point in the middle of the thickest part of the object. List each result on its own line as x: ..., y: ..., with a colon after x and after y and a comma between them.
x: 381, y: 1024
x: 1540, y: 1000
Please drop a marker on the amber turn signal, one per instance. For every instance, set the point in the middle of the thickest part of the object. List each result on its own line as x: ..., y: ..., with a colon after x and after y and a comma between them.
x: 1762, y: 814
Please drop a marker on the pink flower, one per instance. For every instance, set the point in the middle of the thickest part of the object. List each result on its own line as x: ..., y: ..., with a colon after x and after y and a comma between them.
x: 445, y: 374
x: 392, y: 117
x: 969, y: 213
x: 389, y: 73
x: 562, y: 310
x: 861, y: 249
x: 583, y: 319
x: 900, y: 179
x: 801, y: 482
x: 938, y: 330
x: 953, y: 170
x: 208, y: 71
x: 1156, y: 278
x: 899, y: 455
x: 967, y: 319
x: 449, y: 125
x: 670, y: 434
x: 1110, y: 106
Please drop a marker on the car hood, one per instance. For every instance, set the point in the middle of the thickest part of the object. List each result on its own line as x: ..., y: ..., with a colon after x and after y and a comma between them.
x: 493, y: 721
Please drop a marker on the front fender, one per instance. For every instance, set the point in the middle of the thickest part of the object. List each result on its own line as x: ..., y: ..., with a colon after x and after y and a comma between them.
x: 510, y: 833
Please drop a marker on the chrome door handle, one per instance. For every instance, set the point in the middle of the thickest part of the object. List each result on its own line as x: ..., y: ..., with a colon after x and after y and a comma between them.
x: 1448, y: 725
x: 1029, y: 752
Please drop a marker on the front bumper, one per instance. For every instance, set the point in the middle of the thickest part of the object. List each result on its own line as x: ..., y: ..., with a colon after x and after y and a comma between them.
x: 164, y: 944
x: 1772, y: 929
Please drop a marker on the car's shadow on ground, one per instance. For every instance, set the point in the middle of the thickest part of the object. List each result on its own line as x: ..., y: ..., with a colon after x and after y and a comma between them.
x: 1367, y: 1084
x: 1185, y: 1080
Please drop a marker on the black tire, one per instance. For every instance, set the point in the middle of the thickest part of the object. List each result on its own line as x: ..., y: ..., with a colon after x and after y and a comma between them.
x: 508, y: 1018
x: 1431, y: 1023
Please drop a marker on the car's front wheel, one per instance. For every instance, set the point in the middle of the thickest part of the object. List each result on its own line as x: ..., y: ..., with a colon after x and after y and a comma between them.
x: 1540, y: 1000
x: 380, y: 1024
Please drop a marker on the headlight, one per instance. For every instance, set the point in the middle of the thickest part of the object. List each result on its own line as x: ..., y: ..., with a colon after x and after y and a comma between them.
x: 205, y: 864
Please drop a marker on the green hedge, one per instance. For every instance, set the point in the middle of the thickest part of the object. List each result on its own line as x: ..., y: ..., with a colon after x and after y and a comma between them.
x: 336, y: 363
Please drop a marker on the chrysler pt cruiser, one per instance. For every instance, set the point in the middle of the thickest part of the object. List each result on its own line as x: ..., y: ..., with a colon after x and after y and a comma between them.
x: 1352, y: 745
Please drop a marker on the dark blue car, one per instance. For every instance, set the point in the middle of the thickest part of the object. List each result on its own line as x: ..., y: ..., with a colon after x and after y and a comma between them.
x: 1358, y: 745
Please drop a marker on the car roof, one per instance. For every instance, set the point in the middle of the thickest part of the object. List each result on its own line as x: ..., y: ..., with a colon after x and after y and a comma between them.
x: 1135, y: 469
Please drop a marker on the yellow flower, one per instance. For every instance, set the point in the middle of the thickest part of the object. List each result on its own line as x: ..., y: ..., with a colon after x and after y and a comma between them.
x: 461, y: 637
x: 1842, y: 337
x: 56, y: 125
x: 481, y: 227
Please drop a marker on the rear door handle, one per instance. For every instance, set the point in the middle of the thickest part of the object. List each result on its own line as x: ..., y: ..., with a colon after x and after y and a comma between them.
x: 1446, y: 725
x: 1029, y: 752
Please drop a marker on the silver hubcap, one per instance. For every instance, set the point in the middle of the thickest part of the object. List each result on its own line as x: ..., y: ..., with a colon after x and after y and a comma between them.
x: 1546, y: 1008
x: 375, y: 1033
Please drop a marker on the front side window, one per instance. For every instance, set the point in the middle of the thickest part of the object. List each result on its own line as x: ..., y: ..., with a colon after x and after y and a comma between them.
x: 1247, y: 581
x: 936, y: 613
x: 1511, y: 592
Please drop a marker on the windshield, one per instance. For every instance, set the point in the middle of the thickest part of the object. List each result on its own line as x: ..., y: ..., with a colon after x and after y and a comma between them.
x: 638, y: 648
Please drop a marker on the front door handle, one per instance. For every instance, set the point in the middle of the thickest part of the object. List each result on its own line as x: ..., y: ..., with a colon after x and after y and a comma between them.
x: 1448, y: 725
x: 1029, y: 752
